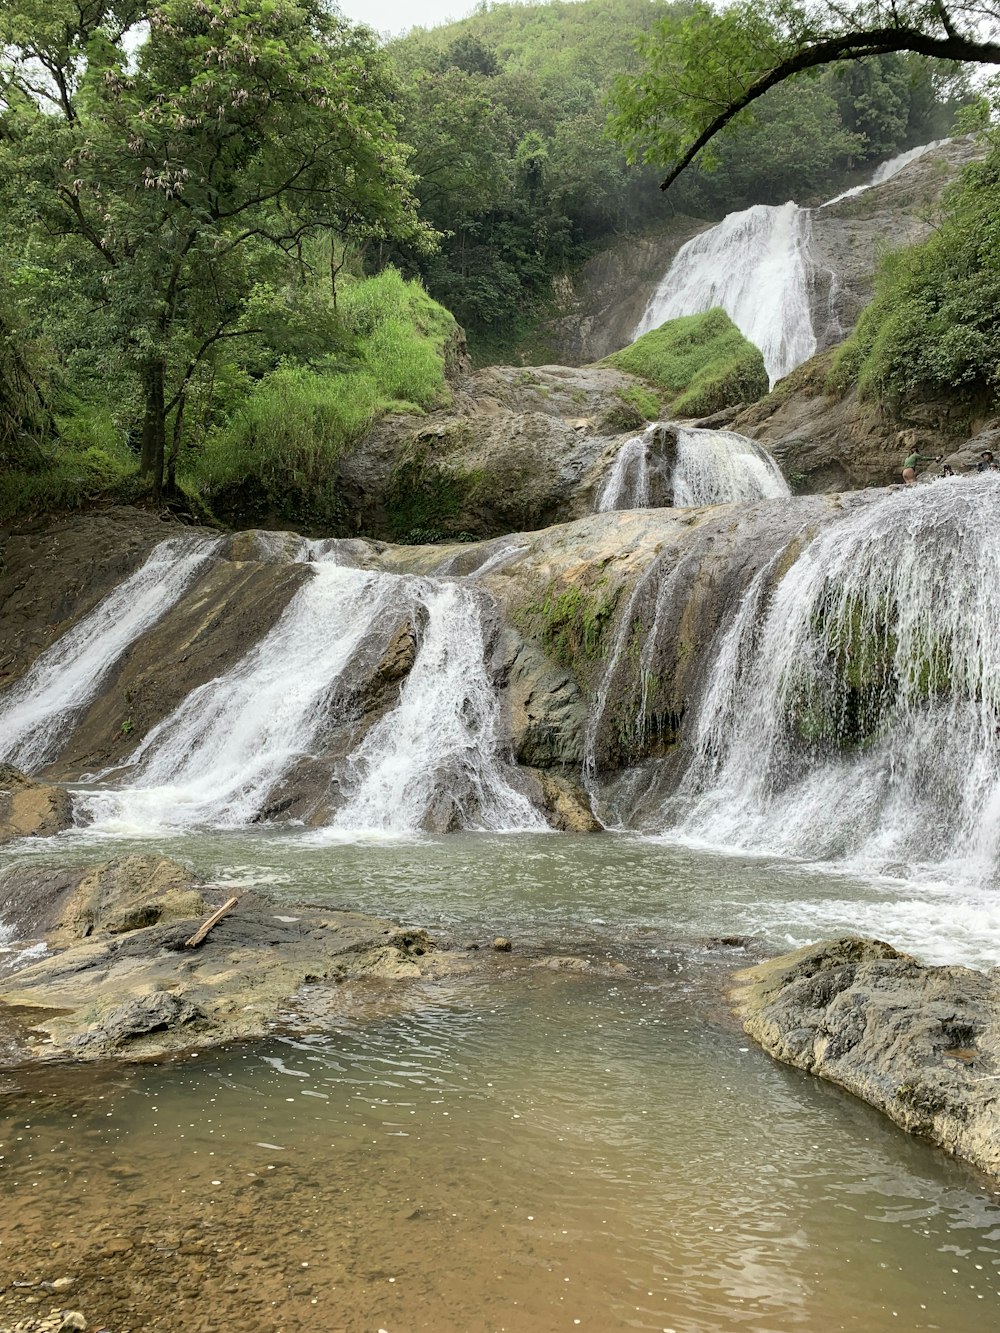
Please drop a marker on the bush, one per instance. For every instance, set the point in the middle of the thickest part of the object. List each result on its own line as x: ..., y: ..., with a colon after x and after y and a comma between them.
x: 700, y: 363
x: 934, y: 322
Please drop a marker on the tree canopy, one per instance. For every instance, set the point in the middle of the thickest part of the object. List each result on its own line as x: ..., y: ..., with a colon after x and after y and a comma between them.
x: 706, y: 72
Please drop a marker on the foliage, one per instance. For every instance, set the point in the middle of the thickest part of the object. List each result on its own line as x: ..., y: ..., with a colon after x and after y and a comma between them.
x: 276, y: 455
x: 180, y: 182
x: 934, y: 322
x: 701, y: 363
x: 709, y: 70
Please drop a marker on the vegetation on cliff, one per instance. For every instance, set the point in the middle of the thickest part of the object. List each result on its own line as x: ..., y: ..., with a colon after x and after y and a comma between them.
x: 699, y: 363
x: 934, y: 323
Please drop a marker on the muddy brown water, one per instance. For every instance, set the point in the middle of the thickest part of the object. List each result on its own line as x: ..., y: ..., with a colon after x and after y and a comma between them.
x: 523, y: 1149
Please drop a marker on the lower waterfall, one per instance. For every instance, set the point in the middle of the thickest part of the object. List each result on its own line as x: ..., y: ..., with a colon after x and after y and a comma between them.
x: 852, y: 710
x: 36, y: 714
x: 219, y: 756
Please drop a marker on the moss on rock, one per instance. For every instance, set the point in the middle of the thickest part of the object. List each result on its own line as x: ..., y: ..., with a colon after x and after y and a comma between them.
x: 700, y: 364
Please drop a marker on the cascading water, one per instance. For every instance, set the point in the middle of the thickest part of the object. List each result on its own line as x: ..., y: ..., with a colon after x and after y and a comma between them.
x: 756, y: 265
x: 852, y: 712
x: 37, y: 713
x: 721, y: 466
x: 627, y: 484
x: 700, y: 467
x: 216, y: 757
x: 219, y: 755
x: 437, y: 752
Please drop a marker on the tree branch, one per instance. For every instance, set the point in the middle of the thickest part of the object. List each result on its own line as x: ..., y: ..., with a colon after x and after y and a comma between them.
x: 848, y: 46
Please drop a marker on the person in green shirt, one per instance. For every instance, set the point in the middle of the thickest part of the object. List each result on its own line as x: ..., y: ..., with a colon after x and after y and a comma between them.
x: 910, y: 465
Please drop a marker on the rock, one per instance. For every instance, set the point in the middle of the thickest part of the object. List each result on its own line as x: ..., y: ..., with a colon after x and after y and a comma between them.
x: 125, y: 894
x: 922, y: 1044
x: 30, y: 809
x: 566, y: 804
x: 502, y: 944
x: 72, y: 1319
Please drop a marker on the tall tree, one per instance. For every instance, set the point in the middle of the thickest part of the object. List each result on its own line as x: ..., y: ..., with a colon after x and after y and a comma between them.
x: 700, y: 75
x: 179, y: 177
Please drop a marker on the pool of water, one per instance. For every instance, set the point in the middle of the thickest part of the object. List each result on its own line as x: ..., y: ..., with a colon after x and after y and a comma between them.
x: 522, y: 1149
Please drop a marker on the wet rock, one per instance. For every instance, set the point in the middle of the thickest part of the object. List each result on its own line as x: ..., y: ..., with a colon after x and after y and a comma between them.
x: 502, y: 944
x: 30, y: 809
x: 566, y: 804
x: 922, y: 1044
x: 125, y: 894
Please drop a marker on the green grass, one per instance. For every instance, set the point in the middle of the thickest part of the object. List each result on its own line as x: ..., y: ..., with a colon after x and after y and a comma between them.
x: 277, y: 452
x: 699, y: 363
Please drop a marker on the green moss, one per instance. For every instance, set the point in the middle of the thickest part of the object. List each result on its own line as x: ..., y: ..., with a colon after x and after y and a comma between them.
x: 700, y: 363
x: 424, y: 499
x: 571, y: 624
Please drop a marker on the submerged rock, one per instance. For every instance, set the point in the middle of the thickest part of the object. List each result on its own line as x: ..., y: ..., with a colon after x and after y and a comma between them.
x: 30, y: 809
x: 922, y: 1044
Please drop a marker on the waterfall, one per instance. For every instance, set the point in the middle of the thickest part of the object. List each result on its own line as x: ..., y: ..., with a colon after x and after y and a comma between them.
x: 437, y: 753
x: 216, y: 759
x: 755, y: 265
x: 627, y: 483
x: 852, y: 712
x: 37, y: 713
x: 217, y: 756
x: 704, y: 467
x: 719, y: 466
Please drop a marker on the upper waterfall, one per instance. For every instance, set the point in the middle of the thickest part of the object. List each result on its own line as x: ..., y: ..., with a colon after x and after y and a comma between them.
x: 756, y: 265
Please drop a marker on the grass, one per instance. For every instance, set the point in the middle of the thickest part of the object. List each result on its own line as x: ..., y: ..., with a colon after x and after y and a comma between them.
x: 277, y: 453
x: 700, y: 364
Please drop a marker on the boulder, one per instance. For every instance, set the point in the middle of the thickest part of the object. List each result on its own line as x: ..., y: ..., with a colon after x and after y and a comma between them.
x: 30, y: 809
x: 920, y: 1043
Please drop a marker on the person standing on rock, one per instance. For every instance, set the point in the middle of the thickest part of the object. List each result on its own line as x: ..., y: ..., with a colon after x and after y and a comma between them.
x: 910, y: 463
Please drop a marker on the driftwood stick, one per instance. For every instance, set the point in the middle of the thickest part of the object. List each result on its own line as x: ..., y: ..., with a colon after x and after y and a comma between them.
x: 206, y: 926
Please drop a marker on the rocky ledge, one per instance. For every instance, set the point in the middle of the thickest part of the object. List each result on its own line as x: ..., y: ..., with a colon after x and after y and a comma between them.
x: 922, y: 1044
x: 122, y: 981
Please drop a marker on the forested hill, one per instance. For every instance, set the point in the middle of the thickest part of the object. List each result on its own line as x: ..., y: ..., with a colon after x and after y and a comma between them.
x: 506, y: 112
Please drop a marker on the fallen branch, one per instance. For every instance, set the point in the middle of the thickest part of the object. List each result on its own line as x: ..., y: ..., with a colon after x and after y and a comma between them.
x: 206, y: 926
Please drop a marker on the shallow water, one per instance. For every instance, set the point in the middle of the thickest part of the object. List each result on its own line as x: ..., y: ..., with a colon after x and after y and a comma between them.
x: 520, y: 1149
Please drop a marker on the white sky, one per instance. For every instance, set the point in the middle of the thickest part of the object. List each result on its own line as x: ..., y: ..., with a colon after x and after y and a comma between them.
x: 396, y: 16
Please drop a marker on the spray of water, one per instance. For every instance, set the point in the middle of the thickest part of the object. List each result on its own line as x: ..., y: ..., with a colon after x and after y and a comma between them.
x: 704, y: 467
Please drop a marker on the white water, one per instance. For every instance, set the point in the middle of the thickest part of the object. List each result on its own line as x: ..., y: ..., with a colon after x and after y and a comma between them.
x: 720, y: 467
x: 218, y: 755
x: 439, y: 747
x: 709, y: 467
x: 36, y: 715
x: 627, y: 484
x: 852, y: 713
x: 756, y: 265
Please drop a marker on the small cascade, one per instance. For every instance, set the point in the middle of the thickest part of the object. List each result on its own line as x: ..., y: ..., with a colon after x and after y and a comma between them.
x: 721, y: 466
x: 37, y: 713
x: 217, y: 756
x: 686, y: 467
x: 627, y: 483
x: 432, y: 759
x: 755, y: 265
x: 436, y: 755
x: 852, y: 712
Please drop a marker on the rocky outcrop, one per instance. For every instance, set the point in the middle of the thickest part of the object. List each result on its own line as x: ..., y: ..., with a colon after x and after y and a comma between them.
x: 828, y: 440
x: 922, y: 1044
x: 122, y: 984
x: 30, y: 809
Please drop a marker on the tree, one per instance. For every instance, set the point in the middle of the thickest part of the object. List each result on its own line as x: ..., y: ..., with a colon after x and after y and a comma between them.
x: 705, y: 72
x: 180, y: 183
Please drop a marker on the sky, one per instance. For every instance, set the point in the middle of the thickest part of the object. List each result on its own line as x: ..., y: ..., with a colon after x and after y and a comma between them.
x: 399, y: 15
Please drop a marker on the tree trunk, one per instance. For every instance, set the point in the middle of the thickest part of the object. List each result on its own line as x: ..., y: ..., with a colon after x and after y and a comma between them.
x: 154, y: 428
x: 175, y: 446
